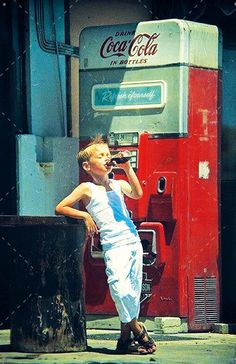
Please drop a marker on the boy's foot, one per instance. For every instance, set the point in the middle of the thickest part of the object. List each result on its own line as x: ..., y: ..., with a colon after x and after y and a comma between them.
x: 145, y: 340
x: 129, y: 346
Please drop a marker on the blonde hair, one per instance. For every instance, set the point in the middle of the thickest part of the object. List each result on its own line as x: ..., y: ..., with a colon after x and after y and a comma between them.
x: 85, y: 154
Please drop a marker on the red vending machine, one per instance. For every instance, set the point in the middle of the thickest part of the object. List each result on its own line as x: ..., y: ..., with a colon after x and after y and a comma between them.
x: 153, y: 88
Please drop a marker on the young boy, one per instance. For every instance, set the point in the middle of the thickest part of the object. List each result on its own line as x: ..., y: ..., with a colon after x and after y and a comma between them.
x: 107, y: 213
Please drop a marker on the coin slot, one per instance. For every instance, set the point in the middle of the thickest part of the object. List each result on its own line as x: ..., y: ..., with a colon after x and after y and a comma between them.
x: 161, y: 185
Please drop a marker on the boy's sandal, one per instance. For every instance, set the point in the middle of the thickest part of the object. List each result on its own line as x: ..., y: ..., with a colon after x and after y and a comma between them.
x: 148, y: 344
x: 130, y: 346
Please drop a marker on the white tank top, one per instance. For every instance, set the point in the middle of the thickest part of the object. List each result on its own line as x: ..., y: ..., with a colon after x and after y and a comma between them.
x: 109, y: 212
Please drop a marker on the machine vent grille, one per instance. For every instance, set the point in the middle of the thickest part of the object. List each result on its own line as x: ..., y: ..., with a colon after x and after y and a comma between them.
x: 205, y: 300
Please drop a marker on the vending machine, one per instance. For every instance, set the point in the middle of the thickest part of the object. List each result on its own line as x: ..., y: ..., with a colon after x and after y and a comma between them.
x: 153, y: 89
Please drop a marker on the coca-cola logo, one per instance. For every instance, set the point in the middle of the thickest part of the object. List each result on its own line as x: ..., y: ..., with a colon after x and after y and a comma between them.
x: 141, y: 45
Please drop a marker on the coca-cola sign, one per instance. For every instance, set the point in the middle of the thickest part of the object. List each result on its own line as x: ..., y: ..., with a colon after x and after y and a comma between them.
x: 135, y: 49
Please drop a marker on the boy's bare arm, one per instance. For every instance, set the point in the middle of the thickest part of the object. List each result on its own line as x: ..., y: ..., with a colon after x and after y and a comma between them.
x: 65, y: 207
x: 132, y: 189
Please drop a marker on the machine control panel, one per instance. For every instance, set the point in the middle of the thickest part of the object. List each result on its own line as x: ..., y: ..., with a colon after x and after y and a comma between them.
x: 125, y: 140
x: 134, y: 158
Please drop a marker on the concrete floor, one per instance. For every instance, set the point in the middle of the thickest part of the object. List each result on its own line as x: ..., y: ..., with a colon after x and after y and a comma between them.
x: 197, y: 348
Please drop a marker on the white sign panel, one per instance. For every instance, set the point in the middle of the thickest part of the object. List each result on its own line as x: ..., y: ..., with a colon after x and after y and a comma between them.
x: 153, y: 43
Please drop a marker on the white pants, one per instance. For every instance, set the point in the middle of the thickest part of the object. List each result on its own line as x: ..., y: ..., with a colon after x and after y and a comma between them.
x: 124, y: 271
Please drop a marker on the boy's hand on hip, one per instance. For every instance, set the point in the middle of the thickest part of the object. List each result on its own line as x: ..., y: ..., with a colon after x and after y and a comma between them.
x: 90, y: 225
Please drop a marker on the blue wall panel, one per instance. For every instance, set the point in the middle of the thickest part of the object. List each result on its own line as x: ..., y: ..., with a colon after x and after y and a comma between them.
x: 47, y: 170
x: 46, y: 74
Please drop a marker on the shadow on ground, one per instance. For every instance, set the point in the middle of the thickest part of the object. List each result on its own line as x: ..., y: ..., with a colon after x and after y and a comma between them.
x: 157, y: 337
